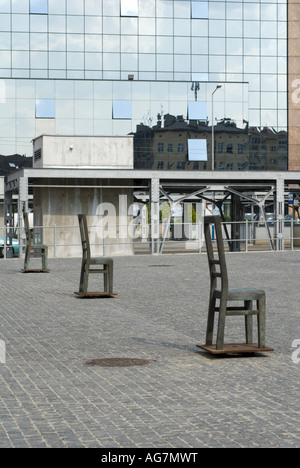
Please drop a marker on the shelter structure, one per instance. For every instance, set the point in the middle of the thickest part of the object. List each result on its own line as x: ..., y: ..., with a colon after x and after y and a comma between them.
x: 97, y: 173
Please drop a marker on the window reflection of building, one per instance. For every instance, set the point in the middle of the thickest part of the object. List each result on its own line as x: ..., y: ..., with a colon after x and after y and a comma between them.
x: 164, y: 146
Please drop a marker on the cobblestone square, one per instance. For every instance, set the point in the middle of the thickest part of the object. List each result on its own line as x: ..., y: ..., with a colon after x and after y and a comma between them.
x: 183, y: 398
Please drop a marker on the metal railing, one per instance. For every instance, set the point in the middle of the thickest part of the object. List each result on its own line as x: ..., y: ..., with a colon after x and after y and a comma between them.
x: 133, y: 239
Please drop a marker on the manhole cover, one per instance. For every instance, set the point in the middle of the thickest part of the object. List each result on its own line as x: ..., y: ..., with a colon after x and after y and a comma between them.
x: 118, y: 362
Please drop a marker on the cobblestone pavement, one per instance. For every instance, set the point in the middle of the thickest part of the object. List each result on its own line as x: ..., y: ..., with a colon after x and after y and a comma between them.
x: 185, y: 398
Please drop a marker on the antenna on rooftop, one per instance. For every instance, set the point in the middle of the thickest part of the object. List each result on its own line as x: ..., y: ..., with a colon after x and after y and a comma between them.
x: 195, y: 87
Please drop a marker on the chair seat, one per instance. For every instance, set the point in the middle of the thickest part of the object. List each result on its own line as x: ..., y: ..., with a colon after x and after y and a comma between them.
x: 241, y: 294
x: 100, y: 261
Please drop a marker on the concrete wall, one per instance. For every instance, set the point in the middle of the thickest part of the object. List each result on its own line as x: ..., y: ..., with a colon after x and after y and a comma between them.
x: 104, y: 207
x: 83, y: 151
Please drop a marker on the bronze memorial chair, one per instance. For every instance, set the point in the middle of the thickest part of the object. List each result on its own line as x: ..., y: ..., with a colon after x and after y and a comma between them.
x: 88, y: 260
x: 33, y: 249
x: 223, y: 294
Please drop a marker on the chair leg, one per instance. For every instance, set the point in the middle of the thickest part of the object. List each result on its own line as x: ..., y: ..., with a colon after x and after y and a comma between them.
x: 210, y: 321
x: 105, y: 277
x: 84, y: 278
x: 44, y: 258
x: 27, y: 258
x: 221, y: 324
x: 249, y: 323
x: 108, y: 278
x: 111, y: 278
x: 261, y: 321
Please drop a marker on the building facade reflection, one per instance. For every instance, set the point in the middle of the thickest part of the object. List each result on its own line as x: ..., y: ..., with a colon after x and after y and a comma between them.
x: 164, y: 146
x: 102, y: 67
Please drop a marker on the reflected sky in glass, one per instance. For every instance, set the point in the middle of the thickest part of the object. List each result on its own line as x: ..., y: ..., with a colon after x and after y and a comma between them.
x: 200, y: 10
x: 197, y: 150
x: 129, y: 8
x: 197, y: 110
x: 122, y: 110
x: 45, y: 109
x: 39, y: 7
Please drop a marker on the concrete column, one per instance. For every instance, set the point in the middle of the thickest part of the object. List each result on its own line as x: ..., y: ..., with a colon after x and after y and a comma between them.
x: 154, y: 216
x: 279, y: 227
x: 22, y: 203
x: 8, y: 219
x: 236, y: 218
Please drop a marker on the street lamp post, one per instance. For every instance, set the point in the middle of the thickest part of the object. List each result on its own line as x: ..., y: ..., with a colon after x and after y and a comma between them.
x: 212, y: 129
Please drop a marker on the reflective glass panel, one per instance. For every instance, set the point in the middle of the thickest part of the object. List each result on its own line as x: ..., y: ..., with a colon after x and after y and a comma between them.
x: 39, y: 23
x: 20, y: 59
x: 182, y: 9
x: 57, y: 24
x: 129, y: 8
x: 75, y: 24
x: 20, y: 23
x: 164, y: 27
x: 200, y: 10
x: 5, y: 22
x: 5, y: 58
x: 20, y: 41
x: 38, y: 41
x: 75, y: 60
x: 5, y: 6
x: 129, y: 26
x: 38, y: 60
x: 182, y: 27
x: 197, y: 150
x: 234, y: 10
x: 200, y: 76
x: 39, y: 7
x: 57, y: 7
x: 93, y: 7
x: 147, y: 26
x: 5, y: 40
x: 75, y: 7
x: 75, y: 42
x: 197, y: 110
x: 146, y: 62
x: 182, y: 63
x: 122, y: 110
x: 45, y: 109
x: 111, y: 8
x: 57, y: 60
x: 57, y: 42
x: 129, y: 62
x: 182, y: 45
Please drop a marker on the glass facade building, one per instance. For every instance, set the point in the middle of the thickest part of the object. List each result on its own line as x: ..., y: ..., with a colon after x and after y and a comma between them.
x: 199, y: 84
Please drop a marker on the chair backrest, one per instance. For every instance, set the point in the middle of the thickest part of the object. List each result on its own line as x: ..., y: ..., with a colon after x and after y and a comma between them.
x: 216, y: 259
x: 84, y: 233
x: 27, y: 228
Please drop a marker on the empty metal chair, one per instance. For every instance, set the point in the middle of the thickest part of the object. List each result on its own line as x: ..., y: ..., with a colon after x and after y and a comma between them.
x: 88, y: 261
x: 222, y: 295
x: 33, y: 248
